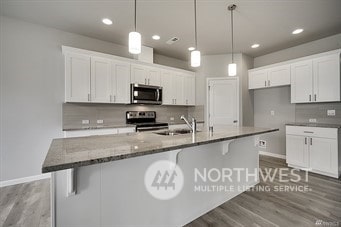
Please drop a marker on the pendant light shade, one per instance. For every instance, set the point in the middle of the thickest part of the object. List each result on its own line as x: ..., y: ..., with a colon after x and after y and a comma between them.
x: 195, y: 55
x: 232, y: 67
x: 134, y: 42
x: 134, y: 37
x: 195, y: 58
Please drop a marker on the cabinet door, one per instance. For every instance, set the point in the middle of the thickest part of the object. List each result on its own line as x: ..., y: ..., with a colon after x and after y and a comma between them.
x: 178, y: 89
x: 138, y: 74
x: 258, y: 79
x: 297, y: 152
x: 120, y: 82
x: 189, y: 90
x: 323, y: 155
x: 100, y: 80
x: 77, y: 78
x: 153, y: 76
x: 167, y: 88
x: 327, y: 78
x: 279, y: 76
x: 301, y: 82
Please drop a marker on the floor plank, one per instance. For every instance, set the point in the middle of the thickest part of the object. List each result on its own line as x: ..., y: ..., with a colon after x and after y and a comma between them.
x: 275, y: 208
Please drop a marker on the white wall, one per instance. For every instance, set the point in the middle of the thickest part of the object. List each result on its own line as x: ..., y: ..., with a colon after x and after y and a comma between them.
x: 314, y: 47
x: 278, y: 99
x: 32, y: 91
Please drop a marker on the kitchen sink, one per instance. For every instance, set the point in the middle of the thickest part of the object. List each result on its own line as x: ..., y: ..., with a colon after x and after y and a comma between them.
x: 173, y: 132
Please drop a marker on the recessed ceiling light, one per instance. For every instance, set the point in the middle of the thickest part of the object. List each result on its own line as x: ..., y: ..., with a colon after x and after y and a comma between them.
x: 191, y: 48
x: 297, y: 31
x: 255, y: 45
x: 107, y: 21
x: 156, y: 37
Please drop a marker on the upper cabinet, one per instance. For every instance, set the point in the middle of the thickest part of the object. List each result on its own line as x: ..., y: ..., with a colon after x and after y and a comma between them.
x: 313, y: 79
x: 271, y: 77
x: 93, y: 77
x: 77, y: 78
x: 316, y: 80
x: 178, y: 88
x: 146, y: 75
x: 96, y: 80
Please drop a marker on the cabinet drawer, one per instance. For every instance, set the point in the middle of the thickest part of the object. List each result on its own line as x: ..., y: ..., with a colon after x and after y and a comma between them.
x: 312, y: 131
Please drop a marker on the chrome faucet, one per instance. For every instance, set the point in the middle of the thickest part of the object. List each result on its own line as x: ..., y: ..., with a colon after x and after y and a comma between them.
x: 192, y: 126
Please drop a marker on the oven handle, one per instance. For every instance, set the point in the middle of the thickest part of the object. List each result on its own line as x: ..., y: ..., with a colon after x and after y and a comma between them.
x: 140, y: 129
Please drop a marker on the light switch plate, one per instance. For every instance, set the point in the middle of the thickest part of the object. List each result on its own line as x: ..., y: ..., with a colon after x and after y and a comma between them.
x: 100, y: 121
x: 330, y: 112
x: 85, y: 122
x: 272, y: 112
x: 171, y: 118
x: 312, y: 120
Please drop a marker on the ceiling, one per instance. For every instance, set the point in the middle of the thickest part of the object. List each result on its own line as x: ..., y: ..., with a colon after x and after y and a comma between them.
x: 267, y: 22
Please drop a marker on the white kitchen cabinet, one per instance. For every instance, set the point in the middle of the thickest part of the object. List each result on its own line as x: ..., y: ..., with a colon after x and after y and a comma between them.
x: 77, y: 78
x: 97, y: 132
x: 323, y: 154
x: 279, y: 76
x: 302, y: 81
x: 297, y: 151
x: 314, y: 148
x: 146, y: 75
x: 316, y: 80
x: 100, y: 80
x: 270, y: 77
x: 177, y: 88
x: 168, y: 96
x: 120, y: 82
x: 258, y: 79
x: 189, y: 90
x: 326, y: 74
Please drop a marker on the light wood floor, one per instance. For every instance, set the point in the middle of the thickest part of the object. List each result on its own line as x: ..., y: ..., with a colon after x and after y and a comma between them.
x: 273, y: 208
x: 29, y: 204
x: 26, y: 204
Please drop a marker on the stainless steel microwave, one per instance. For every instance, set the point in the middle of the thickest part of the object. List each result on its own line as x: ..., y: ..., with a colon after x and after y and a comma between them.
x: 146, y: 94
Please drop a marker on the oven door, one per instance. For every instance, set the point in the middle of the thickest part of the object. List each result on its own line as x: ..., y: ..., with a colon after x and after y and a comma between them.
x: 144, y: 94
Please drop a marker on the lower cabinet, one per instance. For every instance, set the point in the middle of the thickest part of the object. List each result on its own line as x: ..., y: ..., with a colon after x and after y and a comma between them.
x: 315, y: 149
x: 97, y: 132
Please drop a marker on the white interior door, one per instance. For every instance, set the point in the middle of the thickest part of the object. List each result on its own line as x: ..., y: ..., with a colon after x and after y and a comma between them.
x: 223, y: 102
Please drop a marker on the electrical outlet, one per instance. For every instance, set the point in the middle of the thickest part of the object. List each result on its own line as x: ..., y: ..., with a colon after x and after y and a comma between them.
x: 262, y: 143
x: 85, y: 122
x: 272, y: 112
x: 312, y: 120
x: 171, y: 118
x: 330, y: 112
x: 100, y: 121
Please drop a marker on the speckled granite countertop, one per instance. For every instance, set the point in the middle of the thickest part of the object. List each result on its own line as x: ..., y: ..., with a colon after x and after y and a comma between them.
x: 321, y: 125
x: 68, y: 153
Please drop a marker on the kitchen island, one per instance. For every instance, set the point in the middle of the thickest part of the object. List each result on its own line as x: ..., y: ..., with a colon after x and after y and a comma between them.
x: 99, y: 180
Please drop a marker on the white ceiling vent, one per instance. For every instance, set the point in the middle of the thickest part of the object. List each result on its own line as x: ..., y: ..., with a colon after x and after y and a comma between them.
x: 172, y: 40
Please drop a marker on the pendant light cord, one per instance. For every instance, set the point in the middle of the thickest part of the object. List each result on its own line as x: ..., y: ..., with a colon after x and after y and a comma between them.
x: 195, y: 23
x: 232, y: 33
x: 135, y: 15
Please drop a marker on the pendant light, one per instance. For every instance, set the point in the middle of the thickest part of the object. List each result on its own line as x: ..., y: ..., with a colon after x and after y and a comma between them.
x: 232, y: 67
x: 135, y: 38
x: 195, y: 54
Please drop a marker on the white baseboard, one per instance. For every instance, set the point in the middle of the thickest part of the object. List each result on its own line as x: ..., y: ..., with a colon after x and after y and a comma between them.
x: 24, y: 179
x: 272, y: 154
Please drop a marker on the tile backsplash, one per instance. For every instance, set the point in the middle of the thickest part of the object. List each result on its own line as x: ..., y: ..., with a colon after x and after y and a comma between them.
x: 318, y: 111
x: 74, y: 113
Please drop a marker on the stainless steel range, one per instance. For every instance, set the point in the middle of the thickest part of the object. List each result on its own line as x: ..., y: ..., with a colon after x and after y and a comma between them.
x: 144, y: 120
